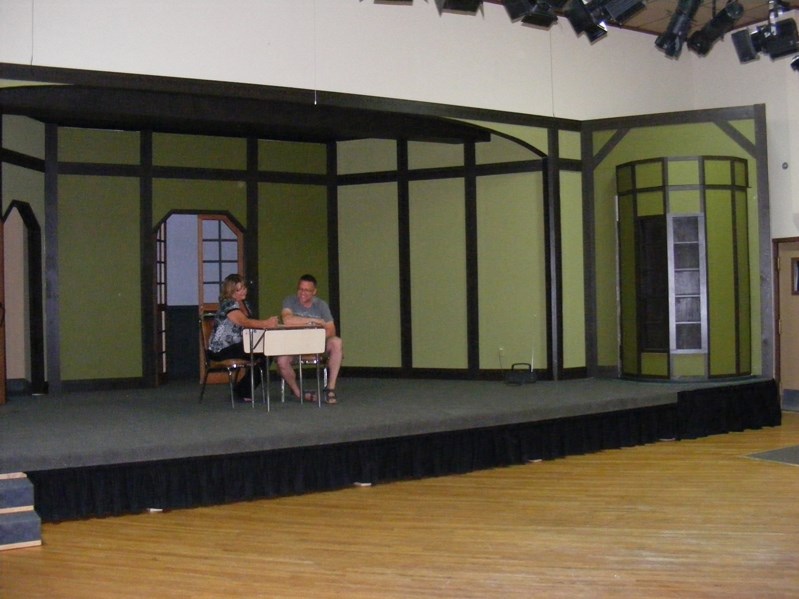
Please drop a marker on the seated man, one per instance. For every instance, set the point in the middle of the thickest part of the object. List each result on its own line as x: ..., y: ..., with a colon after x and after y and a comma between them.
x: 305, y: 308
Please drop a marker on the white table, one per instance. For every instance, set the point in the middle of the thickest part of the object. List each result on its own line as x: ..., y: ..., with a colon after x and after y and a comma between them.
x: 286, y: 341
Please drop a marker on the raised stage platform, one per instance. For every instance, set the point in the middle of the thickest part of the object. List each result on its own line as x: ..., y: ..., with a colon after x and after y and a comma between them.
x: 108, y: 453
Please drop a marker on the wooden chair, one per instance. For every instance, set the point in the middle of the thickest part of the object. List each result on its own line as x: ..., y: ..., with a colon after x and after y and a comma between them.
x: 234, y: 368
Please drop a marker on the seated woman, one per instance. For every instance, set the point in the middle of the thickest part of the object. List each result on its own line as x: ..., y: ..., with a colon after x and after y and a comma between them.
x: 234, y: 314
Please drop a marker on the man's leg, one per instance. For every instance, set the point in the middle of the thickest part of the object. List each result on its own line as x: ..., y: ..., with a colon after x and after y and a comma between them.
x: 335, y: 355
x: 286, y: 369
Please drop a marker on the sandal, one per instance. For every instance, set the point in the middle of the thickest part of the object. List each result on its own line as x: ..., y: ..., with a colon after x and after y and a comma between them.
x: 330, y: 396
x: 310, y: 396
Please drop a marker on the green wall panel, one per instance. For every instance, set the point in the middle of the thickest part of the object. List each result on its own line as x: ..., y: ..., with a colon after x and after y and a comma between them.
x: 99, y: 277
x: 102, y: 146
x: 292, y: 157
x: 366, y: 156
x: 23, y: 135
x: 438, y: 273
x: 501, y: 149
x: 654, y: 365
x: 650, y: 203
x: 292, y: 241
x: 573, y: 277
x: 569, y: 144
x: 433, y: 155
x: 649, y: 174
x: 685, y: 201
x: 745, y: 311
x: 537, y: 137
x: 511, y: 267
x: 718, y: 172
x: 24, y: 185
x: 199, y: 195
x: 627, y: 294
x: 171, y: 149
x: 369, y: 274
x: 721, y: 283
x: 689, y: 366
x: 682, y: 172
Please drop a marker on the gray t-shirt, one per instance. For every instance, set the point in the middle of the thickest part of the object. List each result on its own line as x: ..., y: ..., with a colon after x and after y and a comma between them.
x: 318, y: 308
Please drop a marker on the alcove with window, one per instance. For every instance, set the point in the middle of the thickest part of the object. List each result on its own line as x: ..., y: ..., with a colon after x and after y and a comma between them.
x: 684, y: 274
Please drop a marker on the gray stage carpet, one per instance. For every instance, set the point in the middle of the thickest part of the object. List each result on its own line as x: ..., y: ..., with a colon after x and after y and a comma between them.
x: 119, y: 427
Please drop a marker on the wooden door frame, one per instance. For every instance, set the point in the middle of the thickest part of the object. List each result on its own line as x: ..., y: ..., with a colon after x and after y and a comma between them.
x: 3, y: 393
x: 201, y: 216
x: 777, y: 244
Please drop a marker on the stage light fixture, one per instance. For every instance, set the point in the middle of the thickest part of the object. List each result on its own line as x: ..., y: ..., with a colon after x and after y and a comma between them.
x: 586, y: 18
x: 619, y: 11
x: 777, y: 39
x: 592, y: 17
x: 468, y: 6
x: 517, y: 9
x: 540, y: 13
x: 671, y: 40
x: 702, y: 41
x: 543, y: 13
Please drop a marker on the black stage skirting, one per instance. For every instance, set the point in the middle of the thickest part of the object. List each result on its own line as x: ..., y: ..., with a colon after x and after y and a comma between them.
x: 105, y: 454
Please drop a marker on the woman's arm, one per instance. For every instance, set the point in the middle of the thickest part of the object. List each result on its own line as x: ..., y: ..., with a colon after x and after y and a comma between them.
x: 237, y: 317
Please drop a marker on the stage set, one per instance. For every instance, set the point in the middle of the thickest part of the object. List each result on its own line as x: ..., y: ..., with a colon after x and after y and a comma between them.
x: 118, y: 452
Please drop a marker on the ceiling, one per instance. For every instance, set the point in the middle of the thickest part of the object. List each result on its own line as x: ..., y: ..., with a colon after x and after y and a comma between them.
x: 654, y: 18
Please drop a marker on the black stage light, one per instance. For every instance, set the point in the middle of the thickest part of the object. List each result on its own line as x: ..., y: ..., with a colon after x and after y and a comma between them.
x: 470, y: 6
x: 517, y: 9
x: 747, y: 45
x: 777, y: 40
x: 619, y: 11
x: 542, y: 14
x: 671, y: 40
x: 781, y: 39
x: 533, y: 12
x: 586, y: 18
x: 795, y: 63
x: 701, y: 41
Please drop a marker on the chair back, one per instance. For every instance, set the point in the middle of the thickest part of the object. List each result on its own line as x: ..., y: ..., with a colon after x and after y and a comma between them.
x: 206, y: 326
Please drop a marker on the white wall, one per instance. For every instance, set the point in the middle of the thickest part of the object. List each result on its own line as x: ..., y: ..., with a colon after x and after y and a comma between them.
x: 720, y: 80
x: 411, y: 52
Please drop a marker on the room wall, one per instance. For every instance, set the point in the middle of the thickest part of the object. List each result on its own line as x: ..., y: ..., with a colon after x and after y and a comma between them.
x: 720, y: 80
x: 480, y: 60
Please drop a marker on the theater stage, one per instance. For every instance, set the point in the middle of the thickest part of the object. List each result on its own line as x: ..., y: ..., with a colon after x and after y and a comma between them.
x: 115, y: 452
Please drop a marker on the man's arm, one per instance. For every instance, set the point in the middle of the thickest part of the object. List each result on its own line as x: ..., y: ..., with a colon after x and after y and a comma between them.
x: 289, y: 318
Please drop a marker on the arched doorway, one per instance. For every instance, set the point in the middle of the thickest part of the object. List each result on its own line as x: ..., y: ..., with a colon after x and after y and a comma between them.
x: 194, y: 253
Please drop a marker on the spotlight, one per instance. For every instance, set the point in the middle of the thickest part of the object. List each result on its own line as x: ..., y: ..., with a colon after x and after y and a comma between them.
x: 469, y: 6
x: 701, y: 41
x: 671, y: 40
x: 591, y: 17
x: 619, y: 11
x: 586, y: 18
x: 517, y: 9
x: 533, y: 12
x: 777, y: 40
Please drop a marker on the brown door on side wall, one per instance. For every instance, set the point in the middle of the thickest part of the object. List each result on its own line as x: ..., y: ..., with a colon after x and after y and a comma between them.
x: 2, y: 321
x: 788, y: 322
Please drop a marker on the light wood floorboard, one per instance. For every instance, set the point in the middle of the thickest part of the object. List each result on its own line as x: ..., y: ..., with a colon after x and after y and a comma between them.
x: 689, y: 519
